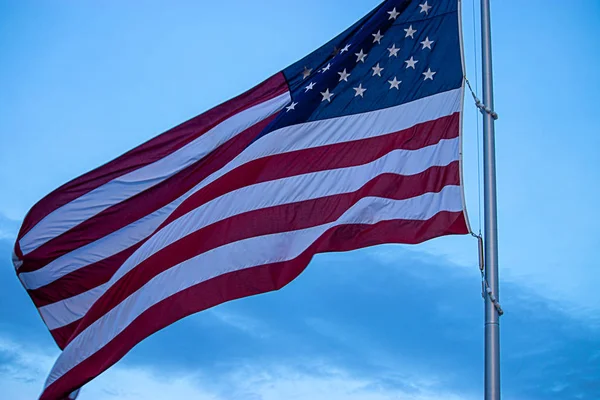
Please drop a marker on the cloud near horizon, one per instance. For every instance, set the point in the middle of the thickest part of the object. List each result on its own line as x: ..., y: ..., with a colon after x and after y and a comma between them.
x: 24, y: 367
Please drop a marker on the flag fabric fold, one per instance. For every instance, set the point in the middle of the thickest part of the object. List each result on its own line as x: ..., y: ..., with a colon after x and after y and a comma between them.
x: 356, y: 144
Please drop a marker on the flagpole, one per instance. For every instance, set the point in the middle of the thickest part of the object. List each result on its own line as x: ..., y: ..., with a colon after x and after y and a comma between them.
x: 492, y: 327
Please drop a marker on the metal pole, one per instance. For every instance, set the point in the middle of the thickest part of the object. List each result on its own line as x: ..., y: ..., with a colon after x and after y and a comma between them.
x: 492, y: 328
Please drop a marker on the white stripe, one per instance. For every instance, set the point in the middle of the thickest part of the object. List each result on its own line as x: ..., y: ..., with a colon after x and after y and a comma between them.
x: 239, y: 255
x: 70, y: 310
x: 308, y: 135
x: 258, y: 196
x: 126, y: 186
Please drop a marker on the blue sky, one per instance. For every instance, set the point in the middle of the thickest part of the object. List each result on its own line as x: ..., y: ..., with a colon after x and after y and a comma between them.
x: 82, y: 82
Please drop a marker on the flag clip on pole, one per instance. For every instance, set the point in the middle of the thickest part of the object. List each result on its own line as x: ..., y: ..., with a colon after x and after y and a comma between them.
x: 492, y: 312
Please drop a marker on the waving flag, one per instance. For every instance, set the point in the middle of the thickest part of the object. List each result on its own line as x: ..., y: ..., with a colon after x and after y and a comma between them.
x: 356, y: 144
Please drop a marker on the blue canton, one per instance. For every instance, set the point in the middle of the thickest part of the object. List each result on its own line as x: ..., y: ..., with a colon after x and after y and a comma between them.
x: 400, y: 52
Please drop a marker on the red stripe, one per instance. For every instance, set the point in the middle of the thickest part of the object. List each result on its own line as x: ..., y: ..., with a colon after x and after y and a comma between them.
x: 269, y: 168
x: 137, y: 207
x: 249, y: 282
x: 62, y: 335
x: 283, y: 218
x: 154, y: 149
x: 81, y: 280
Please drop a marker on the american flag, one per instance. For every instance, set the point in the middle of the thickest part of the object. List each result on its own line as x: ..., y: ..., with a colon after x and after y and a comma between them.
x: 356, y: 144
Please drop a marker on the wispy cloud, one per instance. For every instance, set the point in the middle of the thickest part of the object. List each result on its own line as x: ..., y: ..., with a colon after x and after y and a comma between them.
x: 324, y: 383
x: 24, y: 371
x: 25, y: 367
x: 243, y: 323
x: 459, y: 251
x: 563, y: 285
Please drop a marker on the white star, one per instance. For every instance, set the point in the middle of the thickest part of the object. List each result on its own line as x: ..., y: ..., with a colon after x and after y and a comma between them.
x: 393, y: 14
x: 291, y: 106
x: 377, y: 70
x: 427, y: 43
x: 326, y: 95
x: 306, y: 73
x: 410, y: 32
x: 309, y: 87
x: 411, y: 63
x: 378, y: 36
x: 424, y: 8
x: 429, y: 74
x: 346, y: 48
x: 359, y: 90
x: 361, y: 56
x: 393, y: 50
x: 343, y: 75
x: 394, y: 83
x: 326, y: 68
